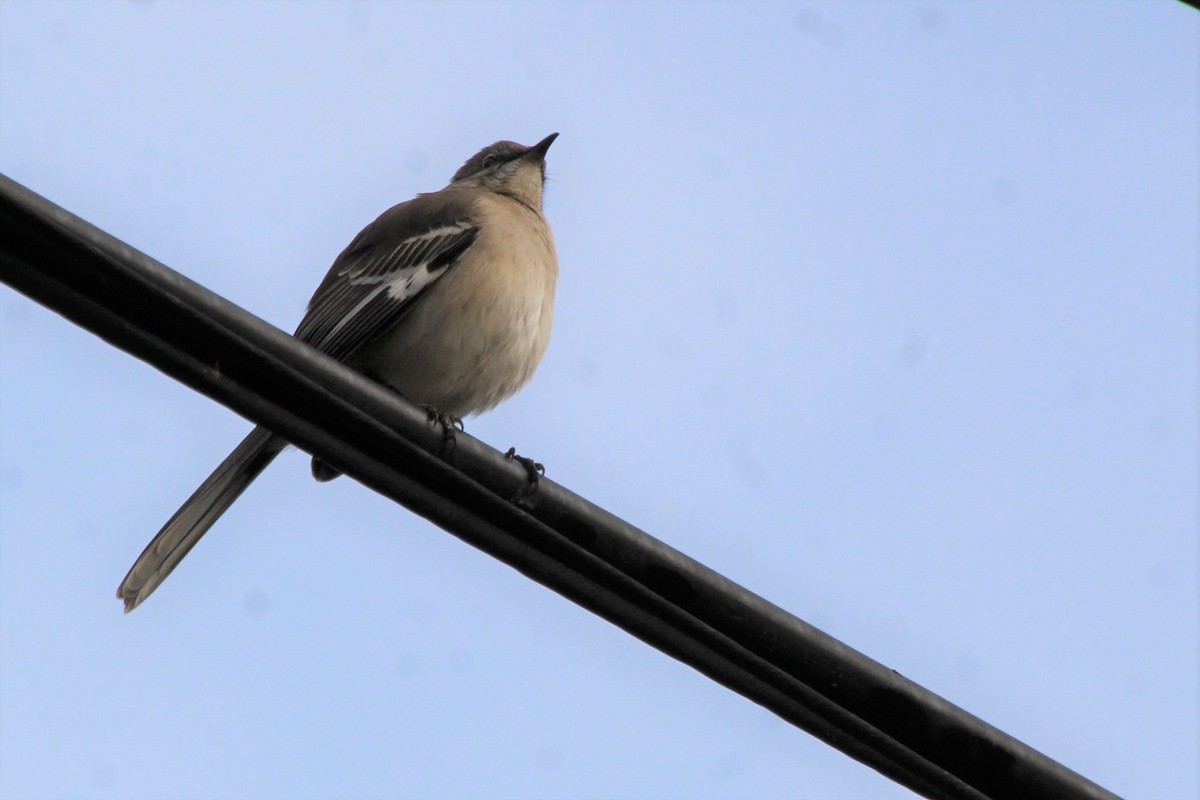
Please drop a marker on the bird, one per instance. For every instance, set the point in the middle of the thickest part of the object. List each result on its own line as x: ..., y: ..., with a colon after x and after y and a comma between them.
x: 447, y: 298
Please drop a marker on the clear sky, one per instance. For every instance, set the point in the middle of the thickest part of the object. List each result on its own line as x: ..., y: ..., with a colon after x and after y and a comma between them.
x: 887, y: 311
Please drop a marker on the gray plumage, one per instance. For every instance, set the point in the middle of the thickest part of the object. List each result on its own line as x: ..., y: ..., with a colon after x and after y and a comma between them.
x: 447, y: 298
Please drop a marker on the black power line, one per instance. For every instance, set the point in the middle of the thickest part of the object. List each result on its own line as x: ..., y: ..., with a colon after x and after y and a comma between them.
x: 555, y: 537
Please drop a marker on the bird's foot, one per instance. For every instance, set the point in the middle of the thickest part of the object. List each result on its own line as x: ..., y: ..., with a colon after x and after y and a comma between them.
x: 533, y: 471
x: 449, y: 424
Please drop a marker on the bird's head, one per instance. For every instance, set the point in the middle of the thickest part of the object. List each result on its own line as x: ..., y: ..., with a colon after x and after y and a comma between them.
x: 509, y: 168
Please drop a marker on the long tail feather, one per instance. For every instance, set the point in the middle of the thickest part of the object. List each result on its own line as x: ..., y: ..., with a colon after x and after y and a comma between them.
x: 197, y: 515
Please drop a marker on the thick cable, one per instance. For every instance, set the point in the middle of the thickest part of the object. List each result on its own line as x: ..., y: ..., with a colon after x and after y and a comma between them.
x: 553, y: 536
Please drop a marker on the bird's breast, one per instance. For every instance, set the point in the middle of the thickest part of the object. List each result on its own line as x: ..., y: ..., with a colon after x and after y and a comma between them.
x: 480, y: 331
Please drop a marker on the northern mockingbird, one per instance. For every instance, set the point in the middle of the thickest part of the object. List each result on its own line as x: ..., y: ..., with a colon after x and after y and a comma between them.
x: 446, y: 298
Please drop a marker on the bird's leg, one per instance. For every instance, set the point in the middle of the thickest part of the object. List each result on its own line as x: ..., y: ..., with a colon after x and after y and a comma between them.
x: 533, y: 471
x: 449, y: 423
x: 432, y: 415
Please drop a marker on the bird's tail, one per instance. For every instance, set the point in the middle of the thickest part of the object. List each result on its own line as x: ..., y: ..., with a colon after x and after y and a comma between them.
x: 197, y: 515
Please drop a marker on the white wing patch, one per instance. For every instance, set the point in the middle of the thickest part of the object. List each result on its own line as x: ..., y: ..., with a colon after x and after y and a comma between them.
x: 367, y: 288
x: 406, y: 253
x: 399, y: 285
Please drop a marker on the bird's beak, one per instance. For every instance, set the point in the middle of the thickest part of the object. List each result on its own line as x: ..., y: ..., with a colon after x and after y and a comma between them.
x: 538, y: 151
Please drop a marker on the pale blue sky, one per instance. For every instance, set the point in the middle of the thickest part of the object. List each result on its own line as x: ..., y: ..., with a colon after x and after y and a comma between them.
x: 886, y: 311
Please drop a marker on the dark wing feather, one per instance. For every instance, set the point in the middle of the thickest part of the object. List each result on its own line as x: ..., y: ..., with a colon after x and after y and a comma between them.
x: 386, y: 269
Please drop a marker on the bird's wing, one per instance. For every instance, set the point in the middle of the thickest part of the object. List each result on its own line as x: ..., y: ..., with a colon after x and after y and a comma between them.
x: 386, y: 269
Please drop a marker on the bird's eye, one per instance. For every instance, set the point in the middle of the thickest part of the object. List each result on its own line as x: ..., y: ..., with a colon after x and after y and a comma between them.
x: 490, y: 160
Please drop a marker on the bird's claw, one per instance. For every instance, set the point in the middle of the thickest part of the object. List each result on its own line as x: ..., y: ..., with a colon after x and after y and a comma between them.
x: 534, y: 471
x: 449, y: 424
